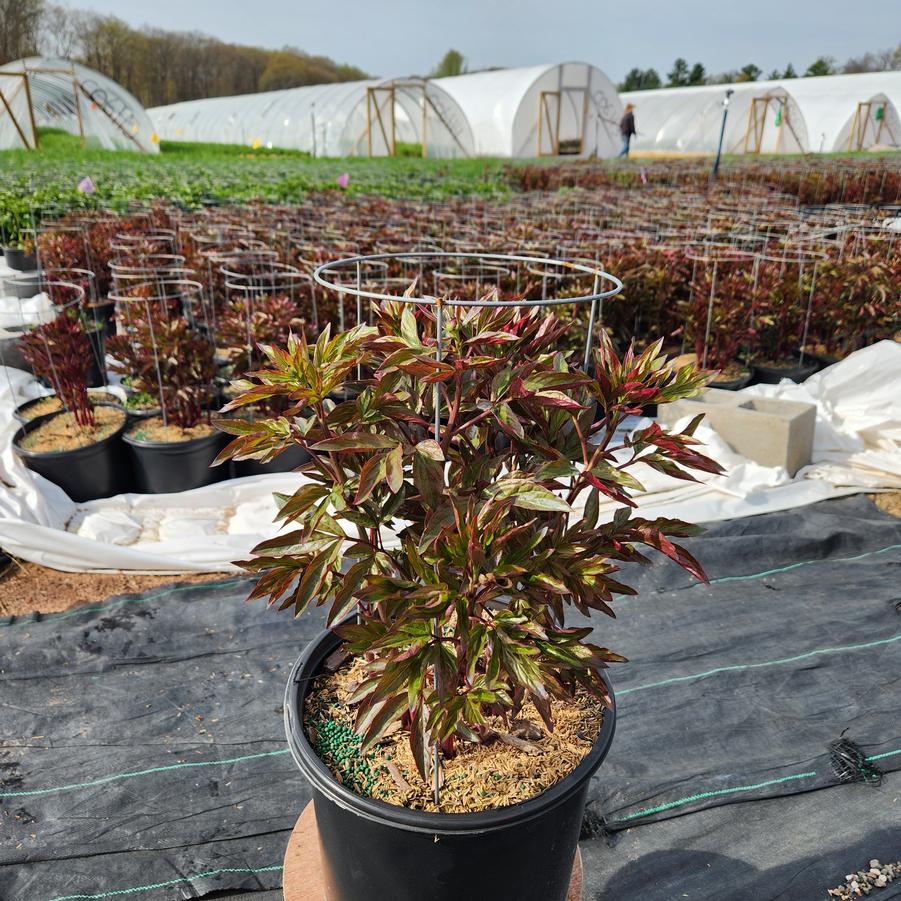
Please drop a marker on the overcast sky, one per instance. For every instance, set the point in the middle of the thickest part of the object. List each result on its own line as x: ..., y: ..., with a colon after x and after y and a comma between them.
x: 405, y: 37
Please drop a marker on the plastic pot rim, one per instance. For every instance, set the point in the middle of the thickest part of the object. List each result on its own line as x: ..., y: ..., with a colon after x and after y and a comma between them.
x: 190, y: 444
x: 322, y: 780
x: 31, y: 424
x: 18, y: 409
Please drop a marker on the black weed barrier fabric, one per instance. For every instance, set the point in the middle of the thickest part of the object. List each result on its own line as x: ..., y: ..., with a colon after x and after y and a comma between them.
x: 142, y: 754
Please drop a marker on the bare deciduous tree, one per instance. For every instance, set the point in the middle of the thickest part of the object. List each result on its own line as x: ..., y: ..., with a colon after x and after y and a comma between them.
x: 20, y: 26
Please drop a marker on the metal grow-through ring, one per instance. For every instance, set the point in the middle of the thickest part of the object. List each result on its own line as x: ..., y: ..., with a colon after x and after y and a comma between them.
x: 333, y: 269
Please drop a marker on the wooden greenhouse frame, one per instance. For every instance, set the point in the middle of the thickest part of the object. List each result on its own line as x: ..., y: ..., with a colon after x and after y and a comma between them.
x: 381, y: 105
x: 550, y: 104
x: 756, y: 127
x: 79, y: 91
x: 857, y: 136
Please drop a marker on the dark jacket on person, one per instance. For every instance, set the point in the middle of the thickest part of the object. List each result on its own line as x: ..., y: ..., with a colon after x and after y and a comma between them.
x: 627, y: 125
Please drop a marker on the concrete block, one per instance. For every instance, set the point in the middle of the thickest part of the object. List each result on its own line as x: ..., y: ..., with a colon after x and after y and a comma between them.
x: 766, y: 430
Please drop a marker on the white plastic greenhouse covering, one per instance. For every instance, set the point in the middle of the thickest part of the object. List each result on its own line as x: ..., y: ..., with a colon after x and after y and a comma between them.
x: 763, y: 118
x: 832, y: 113
x: 55, y: 93
x: 850, y: 112
x: 356, y: 118
x: 570, y: 108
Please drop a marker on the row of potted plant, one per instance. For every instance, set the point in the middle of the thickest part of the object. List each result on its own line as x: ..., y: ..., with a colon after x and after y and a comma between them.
x: 95, y: 445
x: 851, y: 287
x: 732, y: 282
x: 811, y: 181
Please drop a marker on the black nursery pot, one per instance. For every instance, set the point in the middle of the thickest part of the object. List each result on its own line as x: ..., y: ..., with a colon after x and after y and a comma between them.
x: 164, y: 467
x: 772, y: 375
x: 85, y: 473
x: 823, y: 361
x: 731, y: 384
x: 287, y: 461
x: 103, y: 315
x: 23, y: 286
x: 97, y: 374
x: 11, y: 350
x: 373, y: 851
x: 16, y: 258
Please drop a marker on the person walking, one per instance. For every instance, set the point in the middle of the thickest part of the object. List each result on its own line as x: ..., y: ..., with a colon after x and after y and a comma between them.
x: 627, y: 128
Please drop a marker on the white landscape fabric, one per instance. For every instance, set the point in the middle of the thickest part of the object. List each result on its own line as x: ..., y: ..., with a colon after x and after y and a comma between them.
x: 857, y: 448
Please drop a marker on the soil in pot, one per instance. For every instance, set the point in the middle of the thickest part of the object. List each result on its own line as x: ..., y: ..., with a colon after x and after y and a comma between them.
x: 86, y: 463
x: 43, y: 406
x: 732, y: 377
x: 521, y: 760
x: 63, y: 433
x: 167, y: 458
x: 154, y: 429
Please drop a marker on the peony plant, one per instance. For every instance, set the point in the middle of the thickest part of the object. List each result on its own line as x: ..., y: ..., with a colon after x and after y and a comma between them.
x: 60, y: 351
x: 451, y: 513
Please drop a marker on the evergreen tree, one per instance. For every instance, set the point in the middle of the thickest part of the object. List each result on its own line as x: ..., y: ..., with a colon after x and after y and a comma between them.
x: 698, y: 74
x: 822, y: 65
x: 678, y: 75
x: 650, y: 80
x: 452, y: 63
x: 640, y: 80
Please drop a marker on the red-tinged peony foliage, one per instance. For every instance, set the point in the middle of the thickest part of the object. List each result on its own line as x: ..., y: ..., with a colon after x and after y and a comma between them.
x: 247, y: 322
x: 164, y: 357
x: 498, y: 517
x: 60, y: 351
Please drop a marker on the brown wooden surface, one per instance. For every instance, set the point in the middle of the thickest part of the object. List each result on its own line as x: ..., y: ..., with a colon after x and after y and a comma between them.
x: 303, y: 880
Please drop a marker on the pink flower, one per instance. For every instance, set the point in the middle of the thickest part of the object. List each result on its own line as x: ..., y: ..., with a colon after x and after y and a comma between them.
x: 343, y: 179
x: 86, y: 186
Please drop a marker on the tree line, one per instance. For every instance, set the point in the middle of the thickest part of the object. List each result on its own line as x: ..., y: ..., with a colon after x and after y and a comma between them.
x: 683, y: 75
x: 157, y: 66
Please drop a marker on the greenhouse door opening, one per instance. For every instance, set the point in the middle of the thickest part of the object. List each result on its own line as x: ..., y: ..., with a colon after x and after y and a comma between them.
x: 561, y: 122
x: 757, y: 124
x: 870, y: 126
x: 381, y: 127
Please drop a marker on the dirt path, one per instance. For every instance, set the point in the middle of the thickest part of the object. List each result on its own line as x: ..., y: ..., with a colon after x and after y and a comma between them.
x: 29, y: 588
x: 890, y: 502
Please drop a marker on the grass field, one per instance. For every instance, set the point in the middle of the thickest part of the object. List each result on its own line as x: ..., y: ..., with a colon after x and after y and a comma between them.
x: 33, y: 182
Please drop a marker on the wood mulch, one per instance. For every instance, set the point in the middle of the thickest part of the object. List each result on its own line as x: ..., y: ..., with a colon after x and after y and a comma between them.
x: 889, y: 501
x: 521, y: 760
x: 29, y: 588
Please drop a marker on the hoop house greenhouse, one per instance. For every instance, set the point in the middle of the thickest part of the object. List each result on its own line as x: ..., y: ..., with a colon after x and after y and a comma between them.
x: 570, y: 108
x: 850, y: 112
x: 763, y: 118
x: 40, y: 93
x: 358, y: 118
